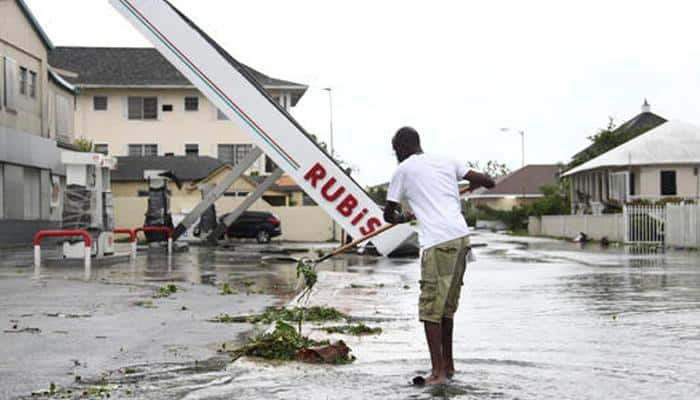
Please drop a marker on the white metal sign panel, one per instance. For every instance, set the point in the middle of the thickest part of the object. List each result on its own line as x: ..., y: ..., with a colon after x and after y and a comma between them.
x: 226, y: 84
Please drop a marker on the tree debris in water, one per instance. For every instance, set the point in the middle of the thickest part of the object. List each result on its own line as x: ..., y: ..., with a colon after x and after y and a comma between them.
x: 165, y: 291
x: 226, y: 289
x: 355, y: 330
x: 285, y: 343
x: 295, y: 314
x: 306, y: 270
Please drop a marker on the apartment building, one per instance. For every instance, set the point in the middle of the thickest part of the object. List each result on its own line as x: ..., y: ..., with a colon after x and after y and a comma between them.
x: 36, y: 122
x: 133, y: 102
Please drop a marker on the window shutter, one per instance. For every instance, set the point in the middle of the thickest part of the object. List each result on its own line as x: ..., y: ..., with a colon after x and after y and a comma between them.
x: 150, y: 108
x: 11, y: 83
x: 135, y: 106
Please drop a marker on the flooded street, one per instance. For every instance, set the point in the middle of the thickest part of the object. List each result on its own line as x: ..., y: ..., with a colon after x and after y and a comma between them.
x: 538, y: 319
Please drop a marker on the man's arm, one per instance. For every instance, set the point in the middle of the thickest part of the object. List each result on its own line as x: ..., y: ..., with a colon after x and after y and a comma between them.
x: 478, y: 179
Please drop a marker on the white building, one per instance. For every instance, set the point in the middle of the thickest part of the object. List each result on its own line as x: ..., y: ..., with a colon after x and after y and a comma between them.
x: 133, y: 102
x: 659, y: 164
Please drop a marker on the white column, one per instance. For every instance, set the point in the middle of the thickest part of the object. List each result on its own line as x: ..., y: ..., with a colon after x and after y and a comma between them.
x: 88, y: 259
x: 37, y: 260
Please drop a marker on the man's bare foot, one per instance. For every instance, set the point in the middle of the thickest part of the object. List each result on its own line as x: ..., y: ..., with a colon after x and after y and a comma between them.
x: 436, y: 380
x: 430, y: 380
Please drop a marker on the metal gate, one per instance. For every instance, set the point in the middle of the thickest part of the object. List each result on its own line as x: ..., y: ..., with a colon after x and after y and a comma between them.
x: 644, y: 224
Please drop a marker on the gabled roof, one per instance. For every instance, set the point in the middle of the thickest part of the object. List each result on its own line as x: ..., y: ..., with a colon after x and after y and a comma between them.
x: 35, y: 24
x: 524, y: 181
x: 673, y: 142
x: 186, y: 168
x: 137, y: 67
x: 636, y: 126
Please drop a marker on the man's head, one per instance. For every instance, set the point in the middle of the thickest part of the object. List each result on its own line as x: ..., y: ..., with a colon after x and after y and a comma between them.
x: 406, y: 142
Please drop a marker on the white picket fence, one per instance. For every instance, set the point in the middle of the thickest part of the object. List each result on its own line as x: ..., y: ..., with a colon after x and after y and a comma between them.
x: 674, y: 225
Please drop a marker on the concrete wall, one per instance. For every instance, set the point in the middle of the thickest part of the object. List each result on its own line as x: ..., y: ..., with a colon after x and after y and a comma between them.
x: 298, y: 223
x: 595, y: 226
x: 19, y: 41
x: 686, y: 180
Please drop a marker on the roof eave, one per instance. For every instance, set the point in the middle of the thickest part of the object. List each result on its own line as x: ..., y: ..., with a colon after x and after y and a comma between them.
x: 35, y: 24
x: 58, y: 79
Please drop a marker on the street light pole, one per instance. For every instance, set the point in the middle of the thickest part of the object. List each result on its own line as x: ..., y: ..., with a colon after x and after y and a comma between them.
x: 330, y: 119
x: 330, y: 113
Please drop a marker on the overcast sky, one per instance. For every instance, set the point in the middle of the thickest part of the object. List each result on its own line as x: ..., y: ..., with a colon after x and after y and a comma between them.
x: 457, y: 71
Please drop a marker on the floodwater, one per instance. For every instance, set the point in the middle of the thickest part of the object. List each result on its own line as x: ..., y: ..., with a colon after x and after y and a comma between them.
x: 538, y: 319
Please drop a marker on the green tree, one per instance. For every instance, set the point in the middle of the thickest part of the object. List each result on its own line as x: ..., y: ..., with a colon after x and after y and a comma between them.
x: 607, y: 139
x: 378, y: 194
x: 492, y: 168
x: 83, y: 144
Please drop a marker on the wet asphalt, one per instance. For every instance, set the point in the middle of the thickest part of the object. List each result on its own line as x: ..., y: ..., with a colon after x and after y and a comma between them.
x: 538, y: 319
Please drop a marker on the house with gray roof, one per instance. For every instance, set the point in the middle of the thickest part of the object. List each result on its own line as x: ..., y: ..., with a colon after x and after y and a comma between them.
x: 133, y: 102
x: 516, y: 188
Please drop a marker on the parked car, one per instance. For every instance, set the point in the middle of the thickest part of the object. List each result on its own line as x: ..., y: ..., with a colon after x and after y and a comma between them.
x: 261, y: 225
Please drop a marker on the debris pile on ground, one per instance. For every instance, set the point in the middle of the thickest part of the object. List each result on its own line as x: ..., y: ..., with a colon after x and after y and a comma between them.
x: 355, y: 330
x: 165, y: 291
x: 285, y: 343
x: 294, y: 314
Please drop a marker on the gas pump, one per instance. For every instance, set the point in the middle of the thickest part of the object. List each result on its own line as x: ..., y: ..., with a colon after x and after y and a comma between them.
x: 158, y: 212
x: 88, y: 202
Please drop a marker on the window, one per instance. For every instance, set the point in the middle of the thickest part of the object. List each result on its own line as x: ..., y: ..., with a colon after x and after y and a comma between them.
x: 167, y: 107
x: 233, y: 153
x: 143, y: 150
x: 191, y: 149
x: 142, y: 108
x: 221, y: 116
x: 192, y: 103
x: 633, y: 187
x: 22, y: 80
x: 99, y: 103
x: 668, y: 183
x: 10, y: 92
x: 102, y: 148
x: 32, y: 84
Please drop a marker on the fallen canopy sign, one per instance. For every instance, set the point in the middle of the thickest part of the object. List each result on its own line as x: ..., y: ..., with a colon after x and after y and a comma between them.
x: 231, y: 88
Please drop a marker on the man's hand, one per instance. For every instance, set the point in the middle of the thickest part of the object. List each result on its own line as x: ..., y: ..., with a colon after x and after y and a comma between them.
x: 477, y: 180
x: 393, y: 214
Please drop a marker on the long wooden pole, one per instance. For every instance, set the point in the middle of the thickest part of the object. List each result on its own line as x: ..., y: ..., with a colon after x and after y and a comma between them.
x: 355, y: 242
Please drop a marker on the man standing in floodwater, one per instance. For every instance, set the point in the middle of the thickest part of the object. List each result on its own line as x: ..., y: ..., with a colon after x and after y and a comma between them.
x: 430, y: 185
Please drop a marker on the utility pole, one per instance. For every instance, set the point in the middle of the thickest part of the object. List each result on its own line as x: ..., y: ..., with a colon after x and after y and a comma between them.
x: 330, y: 122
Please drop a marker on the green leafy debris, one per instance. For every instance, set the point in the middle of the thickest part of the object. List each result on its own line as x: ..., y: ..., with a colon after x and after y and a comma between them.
x: 281, y: 344
x: 355, y: 330
x: 306, y: 270
x: 165, y: 291
x: 295, y: 314
x: 144, y: 304
x: 226, y: 290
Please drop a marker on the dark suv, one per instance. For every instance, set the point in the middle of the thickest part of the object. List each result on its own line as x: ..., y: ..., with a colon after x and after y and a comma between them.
x: 261, y: 225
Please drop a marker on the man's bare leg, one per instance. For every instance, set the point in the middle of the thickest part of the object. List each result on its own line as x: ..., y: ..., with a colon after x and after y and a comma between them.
x: 447, y: 327
x: 433, y: 334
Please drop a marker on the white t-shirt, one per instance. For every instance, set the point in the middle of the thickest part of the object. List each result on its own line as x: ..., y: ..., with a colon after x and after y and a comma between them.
x: 430, y: 184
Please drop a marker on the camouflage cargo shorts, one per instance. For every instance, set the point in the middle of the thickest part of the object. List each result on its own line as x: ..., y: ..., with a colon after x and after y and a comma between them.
x: 442, y: 274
